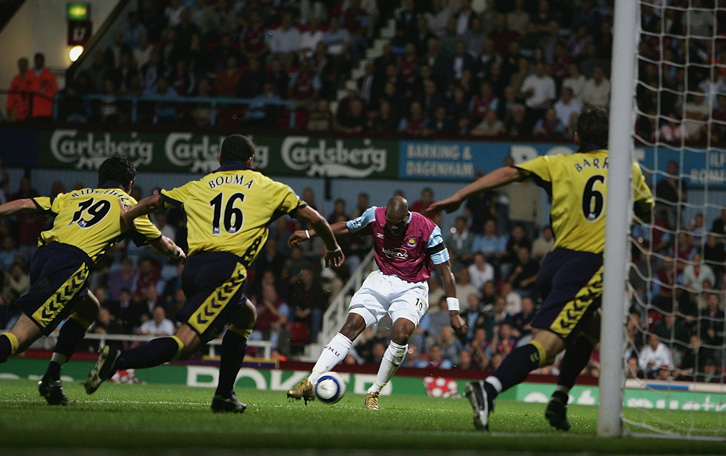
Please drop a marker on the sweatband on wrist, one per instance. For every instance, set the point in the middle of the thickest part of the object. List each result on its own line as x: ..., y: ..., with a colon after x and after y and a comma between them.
x: 307, y: 233
x: 453, y: 304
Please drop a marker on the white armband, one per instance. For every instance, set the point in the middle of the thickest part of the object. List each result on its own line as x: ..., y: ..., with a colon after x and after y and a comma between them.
x: 453, y: 304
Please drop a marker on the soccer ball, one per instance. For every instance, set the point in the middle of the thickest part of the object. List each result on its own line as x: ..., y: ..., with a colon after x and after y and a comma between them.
x: 330, y: 388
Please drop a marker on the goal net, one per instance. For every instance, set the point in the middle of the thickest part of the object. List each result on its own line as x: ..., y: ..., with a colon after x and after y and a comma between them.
x: 675, y: 359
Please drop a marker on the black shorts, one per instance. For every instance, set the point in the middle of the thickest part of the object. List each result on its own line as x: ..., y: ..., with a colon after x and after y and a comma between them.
x: 214, y: 285
x: 58, y: 275
x: 570, y: 282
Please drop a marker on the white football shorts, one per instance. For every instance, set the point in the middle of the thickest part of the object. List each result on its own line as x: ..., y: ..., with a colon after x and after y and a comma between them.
x: 381, y: 294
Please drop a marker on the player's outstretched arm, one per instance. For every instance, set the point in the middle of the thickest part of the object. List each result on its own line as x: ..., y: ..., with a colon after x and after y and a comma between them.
x: 145, y: 206
x: 17, y: 207
x: 455, y: 318
x: 299, y: 236
x: 495, y: 179
x: 333, y: 253
x: 167, y: 247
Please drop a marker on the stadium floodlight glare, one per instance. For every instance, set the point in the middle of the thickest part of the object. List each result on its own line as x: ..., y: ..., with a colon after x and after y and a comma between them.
x: 75, y: 53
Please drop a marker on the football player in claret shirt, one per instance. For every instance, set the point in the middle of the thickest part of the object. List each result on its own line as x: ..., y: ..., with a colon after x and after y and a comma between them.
x: 570, y: 277
x: 406, y: 244
x: 228, y: 212
x: 86, y: 225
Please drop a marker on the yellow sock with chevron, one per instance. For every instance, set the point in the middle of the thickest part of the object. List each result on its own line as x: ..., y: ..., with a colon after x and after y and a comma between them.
x: 8, y: 345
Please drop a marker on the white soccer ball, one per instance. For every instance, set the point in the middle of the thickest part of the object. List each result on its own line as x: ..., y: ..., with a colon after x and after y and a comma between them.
x: 330, y: 388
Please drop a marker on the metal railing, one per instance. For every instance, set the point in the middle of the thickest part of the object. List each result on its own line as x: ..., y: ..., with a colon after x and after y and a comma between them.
x: 216, y: 104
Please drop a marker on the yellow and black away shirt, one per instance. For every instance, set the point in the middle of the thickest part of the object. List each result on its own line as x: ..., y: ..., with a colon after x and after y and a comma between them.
x: 229, y: 209
x: 577, y: 184
x: 90, y: 219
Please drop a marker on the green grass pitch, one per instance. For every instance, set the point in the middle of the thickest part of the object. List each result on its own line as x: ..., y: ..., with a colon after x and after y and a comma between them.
x: 155, y: 417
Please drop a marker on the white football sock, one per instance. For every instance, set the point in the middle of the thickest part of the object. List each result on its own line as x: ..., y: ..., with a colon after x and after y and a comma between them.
x: 332, y: 355
x: 392, y: 359
x: 58, y: 358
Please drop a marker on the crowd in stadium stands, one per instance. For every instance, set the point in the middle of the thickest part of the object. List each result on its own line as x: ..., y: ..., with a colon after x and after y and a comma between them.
x: 676, y: 325
x: 512, y: 69
x: 498, y: 69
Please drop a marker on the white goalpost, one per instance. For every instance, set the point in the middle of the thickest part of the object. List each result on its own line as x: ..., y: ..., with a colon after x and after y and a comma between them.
x: 618, y: 209
x: 668, y: 111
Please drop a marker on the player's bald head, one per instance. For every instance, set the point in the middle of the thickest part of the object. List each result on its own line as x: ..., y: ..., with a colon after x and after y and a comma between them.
x: 236, y: 148
x: 397, y: 208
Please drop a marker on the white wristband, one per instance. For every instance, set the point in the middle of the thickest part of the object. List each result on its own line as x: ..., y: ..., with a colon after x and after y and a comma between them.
x: 307, y: 233
x: 453, y: 304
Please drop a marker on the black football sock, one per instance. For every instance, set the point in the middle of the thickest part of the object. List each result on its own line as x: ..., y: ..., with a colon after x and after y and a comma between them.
x: 575, y: 360
x: 234, y: 348
x: 514, y: 369
x: 71, y: 334
x: 154, y: 353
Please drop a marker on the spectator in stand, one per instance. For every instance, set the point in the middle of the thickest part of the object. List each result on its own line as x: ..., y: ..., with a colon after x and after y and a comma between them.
x: 227, y: 80
x: 543, y: 244
x: 308, y: 301
x: 672, y: 194
x: 523, y: 277
x: 253, y: 38
x: 285, y: 40
x: 304, y: 84
x: 503, y: 339
x: 173, y: 12
x: 133, y: 31
x: 491, y: 126
x: 407, y: 19
x: 251, y: 82
x: 460, y: 241
x: 492, y: 244
x: 437, y: 17
x: 164, y: 113
x: 460, y: 61
x: 502, y: 35
x: 357, y: 22
x: 414, y: 123
x: 43, y: 87
x: 367, y: 84
x: 475, y: 38
x: 158, y: 325
x: 427, y: 197
x: 521, y: 321
x: 484, y: 102
x: 712, y: 321
x: 436, y: 358
x: 718, y: 226
x: 19, y: 92
x: 566, y: 106
x: 654, y: 355
x: 714, y: 255
x: 310, y: 38
x: 337, y: 40
x: 538, y: 89
x: 596, y: 92
x: 181, y: 78
x: 696, y: 273
x: 106, y: 323
x: 512, y: 298
x: 718, y: 115
x: 263, y: 111
x: 270, y: 308
x: 693, y: 359
x: 549, y: 126
x: 320, y: 118
x: 439, y: 124
x: 152, y: 70
x: 480, y: 271
x: 576, y: 82
x: 464, y: 288
x: 673, y: 330
x: 353, y: 119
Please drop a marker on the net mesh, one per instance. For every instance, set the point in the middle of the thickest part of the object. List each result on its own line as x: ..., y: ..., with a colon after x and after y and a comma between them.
x: 675, y: 354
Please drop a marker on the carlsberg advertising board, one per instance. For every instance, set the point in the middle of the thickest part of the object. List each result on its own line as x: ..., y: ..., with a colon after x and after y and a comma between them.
x: 197, y: 153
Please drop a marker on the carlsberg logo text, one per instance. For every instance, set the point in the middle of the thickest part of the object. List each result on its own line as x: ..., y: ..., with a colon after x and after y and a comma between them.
x: 88, y: 150
x: 200, y: 153
x: 332, y: 158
